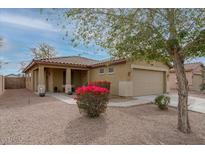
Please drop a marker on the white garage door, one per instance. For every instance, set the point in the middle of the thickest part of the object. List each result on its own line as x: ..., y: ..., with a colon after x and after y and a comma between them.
x: 148, y: 82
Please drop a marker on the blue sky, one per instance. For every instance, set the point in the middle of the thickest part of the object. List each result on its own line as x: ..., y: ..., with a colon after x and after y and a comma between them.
x: 23, y: 29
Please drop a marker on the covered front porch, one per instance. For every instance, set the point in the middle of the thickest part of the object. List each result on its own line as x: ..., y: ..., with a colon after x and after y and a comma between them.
x: 58, y: 79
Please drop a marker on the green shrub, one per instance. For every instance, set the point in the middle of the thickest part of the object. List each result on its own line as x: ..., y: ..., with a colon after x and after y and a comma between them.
x: 92, y: 100
x: 202, y: 87
x: 162, y: 101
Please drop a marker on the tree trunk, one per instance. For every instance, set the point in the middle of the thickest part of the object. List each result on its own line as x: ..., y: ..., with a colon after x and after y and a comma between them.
x: 183, y: 120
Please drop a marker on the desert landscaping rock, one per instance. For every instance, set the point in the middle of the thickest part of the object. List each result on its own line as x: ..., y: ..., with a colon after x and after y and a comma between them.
x: 26, y: 118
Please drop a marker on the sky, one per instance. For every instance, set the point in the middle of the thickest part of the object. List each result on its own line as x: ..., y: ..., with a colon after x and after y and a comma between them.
x: 23, y: 29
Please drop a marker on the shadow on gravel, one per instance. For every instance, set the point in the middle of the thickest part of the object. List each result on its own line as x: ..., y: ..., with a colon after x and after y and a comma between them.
x: 84, y: 130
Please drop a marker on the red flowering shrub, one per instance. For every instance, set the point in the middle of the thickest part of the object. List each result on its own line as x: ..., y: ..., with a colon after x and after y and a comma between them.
x: 92, y: 100
x: 104, y: 84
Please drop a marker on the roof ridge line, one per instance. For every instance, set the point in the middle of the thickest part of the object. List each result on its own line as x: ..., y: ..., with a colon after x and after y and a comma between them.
x: 68, y: 57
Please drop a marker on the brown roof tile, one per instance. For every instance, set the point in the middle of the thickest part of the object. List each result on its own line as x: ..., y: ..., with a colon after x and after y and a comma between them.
x: 69, y: 60
x: 75, y: 60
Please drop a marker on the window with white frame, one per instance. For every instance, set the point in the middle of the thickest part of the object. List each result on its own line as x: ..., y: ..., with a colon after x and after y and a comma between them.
x: 110, y: 70
x: 101, y: 71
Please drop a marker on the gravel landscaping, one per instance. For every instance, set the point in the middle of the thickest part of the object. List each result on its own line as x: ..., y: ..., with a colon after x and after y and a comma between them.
x: 26, y: 118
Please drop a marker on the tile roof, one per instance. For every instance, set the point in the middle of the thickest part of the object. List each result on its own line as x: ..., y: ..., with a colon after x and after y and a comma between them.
x: 75, y: 60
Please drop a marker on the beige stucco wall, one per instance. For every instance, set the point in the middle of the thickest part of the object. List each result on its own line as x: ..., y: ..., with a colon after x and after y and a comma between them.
x: 2, y: 86
x: 29, y: 80
x: 123, y: 72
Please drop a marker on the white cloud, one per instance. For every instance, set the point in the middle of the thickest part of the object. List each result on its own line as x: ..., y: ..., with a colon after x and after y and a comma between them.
x: 26, y: 22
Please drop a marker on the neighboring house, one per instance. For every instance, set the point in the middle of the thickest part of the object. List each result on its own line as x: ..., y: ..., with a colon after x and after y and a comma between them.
x: 194, y: 74
x: 127, y: 78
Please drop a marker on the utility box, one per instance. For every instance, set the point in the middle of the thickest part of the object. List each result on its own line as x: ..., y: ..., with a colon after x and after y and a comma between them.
x: 125, y: 88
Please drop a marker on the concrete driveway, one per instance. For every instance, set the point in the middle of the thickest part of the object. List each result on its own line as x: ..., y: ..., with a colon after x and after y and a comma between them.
x: 195, y: 103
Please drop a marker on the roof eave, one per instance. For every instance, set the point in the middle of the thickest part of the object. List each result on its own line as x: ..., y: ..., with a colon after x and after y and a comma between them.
x: 29, y: 66
x: 34, y: 62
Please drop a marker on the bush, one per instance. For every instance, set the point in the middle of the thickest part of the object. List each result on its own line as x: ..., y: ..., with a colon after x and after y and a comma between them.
x: 162, y: 101
x: 202, y: 87
x: 103, y: 84
x: 92, y: 100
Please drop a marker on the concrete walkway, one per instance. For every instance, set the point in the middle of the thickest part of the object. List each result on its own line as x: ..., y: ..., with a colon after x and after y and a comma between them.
x: 64, y: 98
x: 195, y: 103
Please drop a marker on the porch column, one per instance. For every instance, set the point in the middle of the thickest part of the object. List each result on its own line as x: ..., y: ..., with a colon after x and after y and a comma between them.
x: 88, y: 76
x: 41, y: 80
x: 31, y: 81
x: 68, y: 81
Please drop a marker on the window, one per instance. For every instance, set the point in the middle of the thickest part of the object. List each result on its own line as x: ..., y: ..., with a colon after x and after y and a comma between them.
x: 110, y: 70
x: 101, y: 71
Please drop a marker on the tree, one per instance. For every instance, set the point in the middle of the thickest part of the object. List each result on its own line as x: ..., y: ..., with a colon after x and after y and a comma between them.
x: 23, y: 65
x: 167, y: 35
x: 43, y: 51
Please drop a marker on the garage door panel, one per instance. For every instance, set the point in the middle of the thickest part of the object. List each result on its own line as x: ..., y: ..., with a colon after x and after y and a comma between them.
x: 148, y: 82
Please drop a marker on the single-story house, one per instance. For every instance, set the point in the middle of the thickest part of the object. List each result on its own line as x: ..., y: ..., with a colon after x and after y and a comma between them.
x: 194, y: 74
x: 128, y: 78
